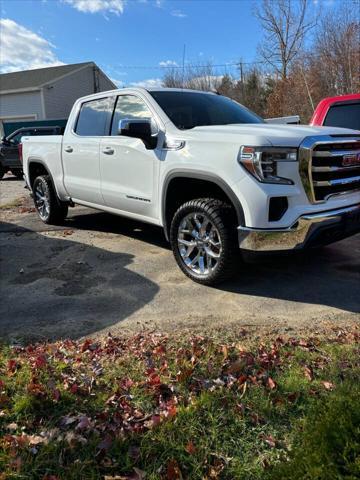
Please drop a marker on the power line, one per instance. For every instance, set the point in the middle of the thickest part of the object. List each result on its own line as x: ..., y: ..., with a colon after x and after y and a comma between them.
x: 213, y: 65
x: 164, y: 67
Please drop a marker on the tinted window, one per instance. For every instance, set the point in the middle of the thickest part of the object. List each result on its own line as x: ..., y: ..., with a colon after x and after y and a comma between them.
x: 94, y: 118
x: 43, y: 132
x: 347, y: 116
x: 192, y: 109
x: 128, y: 107
x: 16, y: 138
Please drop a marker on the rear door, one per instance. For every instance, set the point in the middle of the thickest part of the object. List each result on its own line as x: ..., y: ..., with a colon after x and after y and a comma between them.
x: 128, y: 169
x: 80, y: 150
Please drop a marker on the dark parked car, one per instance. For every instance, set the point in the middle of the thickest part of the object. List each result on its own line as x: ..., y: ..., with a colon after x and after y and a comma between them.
x: 9, y: 148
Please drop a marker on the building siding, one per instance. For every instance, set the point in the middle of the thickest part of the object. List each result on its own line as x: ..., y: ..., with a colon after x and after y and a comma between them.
x: 60, y: 96
x: 20, y: 105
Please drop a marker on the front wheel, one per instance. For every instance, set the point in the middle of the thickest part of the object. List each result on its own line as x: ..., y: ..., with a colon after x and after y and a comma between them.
x: 49, y: 208
x: 203, y: 240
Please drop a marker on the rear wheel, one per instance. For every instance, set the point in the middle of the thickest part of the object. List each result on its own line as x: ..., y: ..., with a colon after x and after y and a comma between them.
x: 203, y: 240
x: 49, y: 208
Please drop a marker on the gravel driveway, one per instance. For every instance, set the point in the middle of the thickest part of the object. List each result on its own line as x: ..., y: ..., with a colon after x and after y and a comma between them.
x: 101, y: 273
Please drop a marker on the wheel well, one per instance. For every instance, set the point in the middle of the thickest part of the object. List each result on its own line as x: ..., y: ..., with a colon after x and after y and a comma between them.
x: 36, y: 169
x: 183, y: 189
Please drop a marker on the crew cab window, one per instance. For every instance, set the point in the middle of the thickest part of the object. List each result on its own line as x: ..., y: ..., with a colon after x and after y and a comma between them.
x: 94, y: 117
x: 129, y: 107
x: 346, y: 115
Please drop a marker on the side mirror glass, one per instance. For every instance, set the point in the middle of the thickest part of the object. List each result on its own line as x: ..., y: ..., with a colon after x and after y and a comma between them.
x: 143, y: 129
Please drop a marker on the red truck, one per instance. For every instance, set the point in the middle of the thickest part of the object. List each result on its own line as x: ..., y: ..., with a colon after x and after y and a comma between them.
x: 341, y: 111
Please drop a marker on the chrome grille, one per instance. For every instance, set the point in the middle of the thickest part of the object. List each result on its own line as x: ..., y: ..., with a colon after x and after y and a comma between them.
x: 330, y: 166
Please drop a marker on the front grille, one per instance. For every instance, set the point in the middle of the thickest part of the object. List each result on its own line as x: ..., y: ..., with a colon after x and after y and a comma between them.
x: 332, y: 168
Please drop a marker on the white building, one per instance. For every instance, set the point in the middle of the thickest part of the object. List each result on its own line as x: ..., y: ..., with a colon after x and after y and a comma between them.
x: 48, y: 93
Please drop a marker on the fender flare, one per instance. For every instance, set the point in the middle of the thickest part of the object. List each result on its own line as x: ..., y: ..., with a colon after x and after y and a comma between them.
x: 199, y: 175
x: 38, y: 160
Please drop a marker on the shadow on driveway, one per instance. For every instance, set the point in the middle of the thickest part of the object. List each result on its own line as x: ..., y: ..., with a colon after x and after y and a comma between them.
x: 328, y: 276
x: 54, y: 288
x: 105, y: 222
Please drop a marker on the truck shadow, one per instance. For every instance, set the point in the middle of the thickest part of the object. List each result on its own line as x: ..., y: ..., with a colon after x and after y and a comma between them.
x: 53, y: 288
x: 108, y: 223
x: 329, y: 276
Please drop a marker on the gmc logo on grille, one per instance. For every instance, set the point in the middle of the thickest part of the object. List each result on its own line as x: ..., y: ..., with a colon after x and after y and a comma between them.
x: 351, y: 160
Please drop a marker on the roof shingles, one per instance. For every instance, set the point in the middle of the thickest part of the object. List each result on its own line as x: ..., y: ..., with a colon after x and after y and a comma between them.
x: 35, y: 78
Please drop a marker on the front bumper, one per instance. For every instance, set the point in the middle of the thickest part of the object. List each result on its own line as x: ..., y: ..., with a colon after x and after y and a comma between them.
x: 309, y: 230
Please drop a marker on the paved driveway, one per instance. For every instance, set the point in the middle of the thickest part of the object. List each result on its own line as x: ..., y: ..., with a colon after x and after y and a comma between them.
x: 101, y: 273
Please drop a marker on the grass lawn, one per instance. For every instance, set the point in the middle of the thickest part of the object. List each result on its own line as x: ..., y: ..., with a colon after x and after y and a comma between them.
x: 222, y: 406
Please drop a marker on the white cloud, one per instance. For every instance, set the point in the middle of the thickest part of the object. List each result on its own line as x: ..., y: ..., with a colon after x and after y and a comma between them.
x: 22, y: 49
x: 118, y: 83
x: 96, y: 6
x: 149, y: 83
x: 168, y: 63
x: 178, y: 13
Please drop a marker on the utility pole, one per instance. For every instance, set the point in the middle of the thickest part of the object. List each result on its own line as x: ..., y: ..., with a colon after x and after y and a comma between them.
x: 241, y: 79
x: 183, y: 66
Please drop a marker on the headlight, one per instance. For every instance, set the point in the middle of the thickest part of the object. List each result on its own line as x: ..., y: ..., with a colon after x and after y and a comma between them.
x: 262, y: 162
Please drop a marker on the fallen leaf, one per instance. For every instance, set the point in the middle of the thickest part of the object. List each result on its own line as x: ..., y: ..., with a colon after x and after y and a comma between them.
x: 271, y: 383
x: 67, y: 420
x: 328, y: 385
x: 269, y: 439
x: 12, y: 426
x: 173, y: 471
x: 40, y: 361
x: 190, y: 448
x: 308, y: 373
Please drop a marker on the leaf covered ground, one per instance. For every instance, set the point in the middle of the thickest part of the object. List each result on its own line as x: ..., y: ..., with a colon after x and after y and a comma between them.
x: 155, y: 406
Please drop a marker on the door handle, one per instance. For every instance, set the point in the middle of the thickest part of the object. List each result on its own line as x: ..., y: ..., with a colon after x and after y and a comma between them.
x: 108, y: 150
x: 68, y: 149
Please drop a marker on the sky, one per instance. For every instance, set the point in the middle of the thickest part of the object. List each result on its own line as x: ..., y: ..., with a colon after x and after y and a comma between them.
x: 133, y: 41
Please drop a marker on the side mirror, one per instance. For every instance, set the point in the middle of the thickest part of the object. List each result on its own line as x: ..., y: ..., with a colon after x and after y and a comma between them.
x: 139, y: 128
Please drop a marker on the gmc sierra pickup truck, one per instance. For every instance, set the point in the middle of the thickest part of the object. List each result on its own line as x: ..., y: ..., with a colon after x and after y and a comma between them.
x: 206, y: 169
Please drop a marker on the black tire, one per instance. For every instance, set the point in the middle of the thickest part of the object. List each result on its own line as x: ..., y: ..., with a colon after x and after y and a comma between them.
x: 221, y: 221
x: 18, y: 173
x: 51, y: 210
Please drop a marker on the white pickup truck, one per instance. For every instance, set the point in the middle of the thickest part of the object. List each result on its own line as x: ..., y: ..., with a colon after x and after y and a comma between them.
x: 213, y: 174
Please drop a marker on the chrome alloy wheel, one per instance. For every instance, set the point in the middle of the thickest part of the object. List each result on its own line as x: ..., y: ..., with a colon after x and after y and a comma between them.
x: 42, y: 201
x: 199, y: 244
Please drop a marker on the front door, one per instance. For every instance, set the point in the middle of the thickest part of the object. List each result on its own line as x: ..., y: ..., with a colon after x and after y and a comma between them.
x: 128, y: 169
x: 80, y: 151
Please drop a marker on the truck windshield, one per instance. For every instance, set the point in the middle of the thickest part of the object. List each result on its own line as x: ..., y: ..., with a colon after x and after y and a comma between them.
x: 192, y: 109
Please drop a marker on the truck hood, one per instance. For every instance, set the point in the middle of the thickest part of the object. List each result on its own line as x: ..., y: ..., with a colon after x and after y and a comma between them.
x: 262, y: 133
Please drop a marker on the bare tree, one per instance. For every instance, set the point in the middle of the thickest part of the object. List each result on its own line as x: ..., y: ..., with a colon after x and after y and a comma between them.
x: 197, y: 77
x: 285, y: 23
x: 337, y: 52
